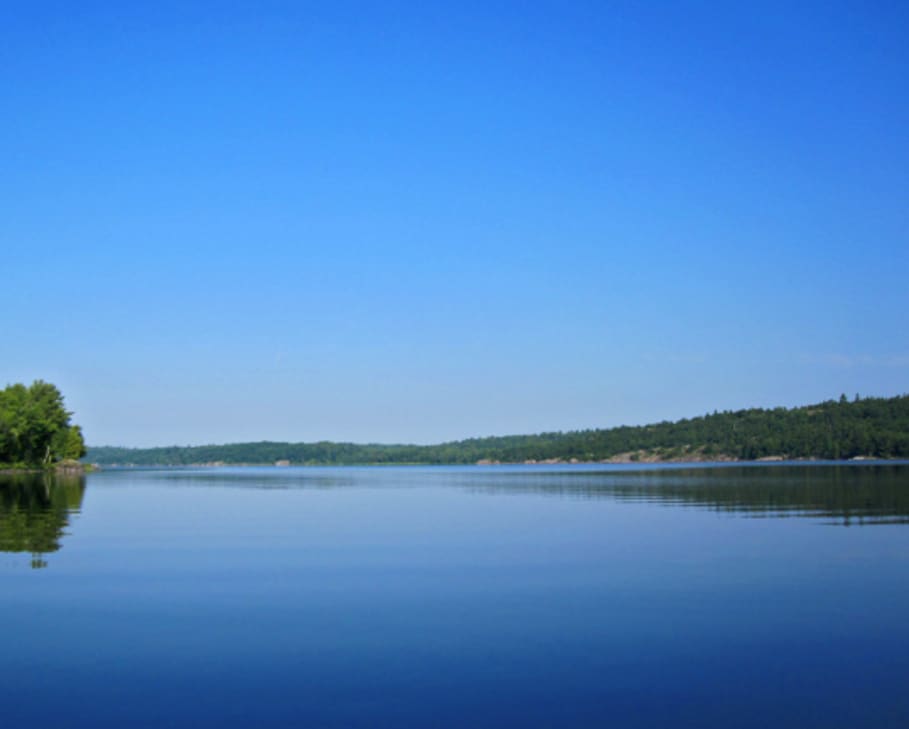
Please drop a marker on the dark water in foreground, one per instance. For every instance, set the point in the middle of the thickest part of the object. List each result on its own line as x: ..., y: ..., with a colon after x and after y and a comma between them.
x: 462, y: 597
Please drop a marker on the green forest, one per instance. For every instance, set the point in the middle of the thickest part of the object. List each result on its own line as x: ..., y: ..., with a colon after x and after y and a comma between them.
x: 836, y: 429
x: 35, y: 428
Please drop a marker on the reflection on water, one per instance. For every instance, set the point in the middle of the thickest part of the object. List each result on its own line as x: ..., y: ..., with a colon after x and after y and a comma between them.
x: 35, y: 511
x: 843, y: 494
x: 847, y: 494
x: 527, y: 596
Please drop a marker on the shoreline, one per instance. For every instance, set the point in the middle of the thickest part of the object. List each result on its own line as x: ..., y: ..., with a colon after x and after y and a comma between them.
x: 620, y: 459
x: 60, y: 469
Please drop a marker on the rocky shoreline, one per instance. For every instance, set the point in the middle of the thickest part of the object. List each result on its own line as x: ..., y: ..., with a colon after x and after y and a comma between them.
x: 694, y: 456
x: 64, y: 468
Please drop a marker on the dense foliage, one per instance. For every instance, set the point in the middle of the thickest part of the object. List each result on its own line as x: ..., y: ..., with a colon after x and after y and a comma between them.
x: 35, y: 428
x: 874, y: 427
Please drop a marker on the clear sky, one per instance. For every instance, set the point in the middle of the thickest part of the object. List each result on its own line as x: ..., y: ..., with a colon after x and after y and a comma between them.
x: 417, y: 222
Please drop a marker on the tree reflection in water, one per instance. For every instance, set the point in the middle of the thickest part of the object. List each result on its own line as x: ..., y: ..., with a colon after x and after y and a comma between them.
x: 846, y: 494
x: 35, y: 511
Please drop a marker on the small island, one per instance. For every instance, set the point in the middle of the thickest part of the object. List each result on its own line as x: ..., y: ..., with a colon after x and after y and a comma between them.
x: 36, y: 433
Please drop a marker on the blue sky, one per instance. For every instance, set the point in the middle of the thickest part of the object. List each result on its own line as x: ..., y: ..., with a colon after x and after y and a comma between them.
x: 426, y: 221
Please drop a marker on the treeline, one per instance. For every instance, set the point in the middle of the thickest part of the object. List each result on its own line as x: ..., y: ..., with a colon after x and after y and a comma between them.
x: 35, y: 427
x: 872, y: 427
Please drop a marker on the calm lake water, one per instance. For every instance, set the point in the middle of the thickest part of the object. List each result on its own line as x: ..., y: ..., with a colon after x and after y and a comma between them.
x: 766, y: 596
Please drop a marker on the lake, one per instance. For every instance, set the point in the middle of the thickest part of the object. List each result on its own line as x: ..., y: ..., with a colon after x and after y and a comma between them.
x: 728, y: 596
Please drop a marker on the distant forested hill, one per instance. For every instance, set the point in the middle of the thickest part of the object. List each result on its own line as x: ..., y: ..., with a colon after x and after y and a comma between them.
x: 875, y: 427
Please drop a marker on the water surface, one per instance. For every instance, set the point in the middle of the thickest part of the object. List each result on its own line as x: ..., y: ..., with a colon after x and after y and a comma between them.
x: 449, y: 597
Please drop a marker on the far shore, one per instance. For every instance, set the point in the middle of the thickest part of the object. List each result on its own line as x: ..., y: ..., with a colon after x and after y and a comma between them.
x: 620, y: 459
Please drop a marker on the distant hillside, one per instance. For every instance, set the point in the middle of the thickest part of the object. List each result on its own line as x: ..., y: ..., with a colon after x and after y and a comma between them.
x: 872, y: 427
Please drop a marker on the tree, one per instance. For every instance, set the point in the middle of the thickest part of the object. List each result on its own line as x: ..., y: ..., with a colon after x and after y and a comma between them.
x: 68, y: 444
x: 35, y: 426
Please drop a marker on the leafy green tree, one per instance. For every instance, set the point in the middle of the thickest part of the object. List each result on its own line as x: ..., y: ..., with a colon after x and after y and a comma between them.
x: 35, y: 426
x: 69, y: 444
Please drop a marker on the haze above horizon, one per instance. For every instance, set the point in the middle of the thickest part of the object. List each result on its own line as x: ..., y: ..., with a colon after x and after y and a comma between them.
x: 351, y: 222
